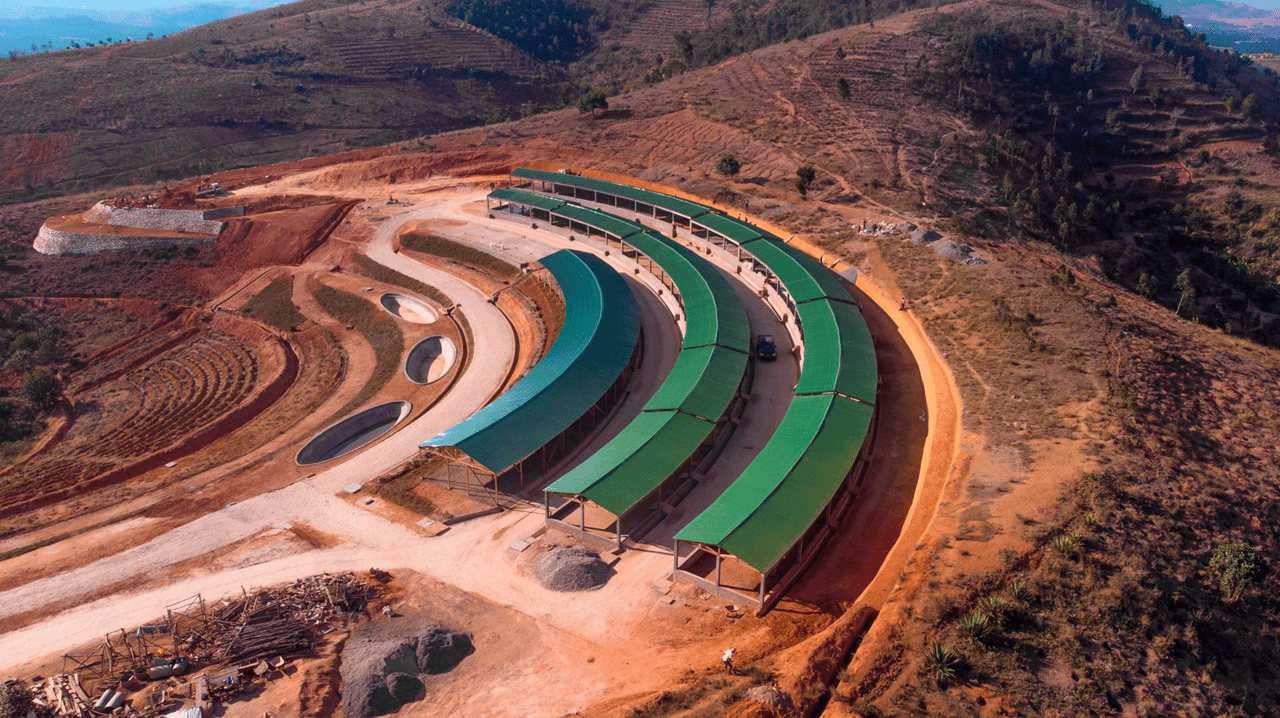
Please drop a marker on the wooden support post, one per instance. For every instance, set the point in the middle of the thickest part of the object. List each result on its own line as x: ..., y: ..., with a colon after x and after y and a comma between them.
x: 582, y: 516
x: 718, y: 560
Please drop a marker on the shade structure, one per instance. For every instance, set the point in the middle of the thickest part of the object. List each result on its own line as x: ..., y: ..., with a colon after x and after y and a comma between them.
x: 601, y: 328
x: 762, y: 514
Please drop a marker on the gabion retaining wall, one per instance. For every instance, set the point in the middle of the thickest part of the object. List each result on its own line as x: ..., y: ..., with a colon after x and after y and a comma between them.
x: 54, y: 241
x: 195, y: 221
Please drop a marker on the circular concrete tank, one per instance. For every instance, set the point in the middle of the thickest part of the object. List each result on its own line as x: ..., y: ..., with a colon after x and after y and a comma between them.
x: 409, y: 309
x: 430, y: 359
x: 353, y: 432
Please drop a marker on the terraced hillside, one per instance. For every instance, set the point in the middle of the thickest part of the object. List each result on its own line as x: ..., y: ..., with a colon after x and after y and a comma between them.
x: 200, y: 388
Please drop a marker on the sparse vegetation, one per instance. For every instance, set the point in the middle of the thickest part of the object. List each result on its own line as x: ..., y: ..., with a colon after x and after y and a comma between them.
x: 728, y: 166
x: 274, y: 305
x: 377, y: 327
x: 1237, y: 567
x: 461, y: 253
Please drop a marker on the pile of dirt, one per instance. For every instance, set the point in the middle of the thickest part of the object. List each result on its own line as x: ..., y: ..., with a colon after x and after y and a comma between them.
x: 771, y: 697
x: 571, y: 568
x: 382, y: 675
x: 961, y: 253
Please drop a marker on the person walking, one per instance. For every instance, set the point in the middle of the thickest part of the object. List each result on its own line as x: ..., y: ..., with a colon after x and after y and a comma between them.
x: 727, y: 658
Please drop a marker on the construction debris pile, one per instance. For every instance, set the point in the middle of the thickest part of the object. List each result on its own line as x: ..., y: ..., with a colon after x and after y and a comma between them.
x: 241, y: 639
x: 282, y: 621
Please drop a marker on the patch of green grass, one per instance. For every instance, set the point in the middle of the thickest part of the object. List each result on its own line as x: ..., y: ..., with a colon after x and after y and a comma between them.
x: 373, y: 270
x: 440, y: 247
x: 274, y: 305
x: 378, y: 328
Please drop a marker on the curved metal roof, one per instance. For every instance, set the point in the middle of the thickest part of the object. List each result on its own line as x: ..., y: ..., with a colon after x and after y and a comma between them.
x: 784, y: 490
x: 601, y: 327
x: 839, y: 353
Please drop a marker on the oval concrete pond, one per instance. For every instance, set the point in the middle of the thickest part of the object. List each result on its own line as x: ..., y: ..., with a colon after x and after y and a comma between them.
x: 409, y: 309
x: 430, y: 359
x: 353, y: 432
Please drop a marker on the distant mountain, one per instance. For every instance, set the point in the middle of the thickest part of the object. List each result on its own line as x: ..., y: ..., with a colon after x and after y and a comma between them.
x: 1229, y: 24
x: 39, y: 29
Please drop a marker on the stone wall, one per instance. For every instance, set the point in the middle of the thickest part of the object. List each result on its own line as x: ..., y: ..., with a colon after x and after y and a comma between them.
x: 176, y: 220
x: 194, y: 221
x: 54, y: 241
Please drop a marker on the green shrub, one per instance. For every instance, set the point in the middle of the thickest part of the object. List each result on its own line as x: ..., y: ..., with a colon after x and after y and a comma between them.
x: 1236, y: 567
x: 378, y: 328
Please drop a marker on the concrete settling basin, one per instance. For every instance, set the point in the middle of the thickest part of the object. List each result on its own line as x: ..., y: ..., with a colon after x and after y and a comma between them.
x: 409, y: 309
x: 353, y: 432
x: 430, y: 359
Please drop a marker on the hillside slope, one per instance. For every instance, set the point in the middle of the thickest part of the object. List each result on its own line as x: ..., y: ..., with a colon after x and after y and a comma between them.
x: 313, y: 77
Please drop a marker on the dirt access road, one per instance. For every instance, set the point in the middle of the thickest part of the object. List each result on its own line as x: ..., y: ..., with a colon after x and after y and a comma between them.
x: 615, y: 622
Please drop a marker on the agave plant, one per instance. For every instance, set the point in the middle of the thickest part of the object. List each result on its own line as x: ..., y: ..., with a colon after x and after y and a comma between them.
x: 941, y: 663
x: 995, y: 606
x: 1018, y: 591
x: 975, y: 626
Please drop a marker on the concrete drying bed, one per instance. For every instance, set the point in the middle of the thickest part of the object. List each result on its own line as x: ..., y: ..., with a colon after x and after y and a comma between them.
x: 409, y: 309
x: 430, y: 359
x: 353, y: 432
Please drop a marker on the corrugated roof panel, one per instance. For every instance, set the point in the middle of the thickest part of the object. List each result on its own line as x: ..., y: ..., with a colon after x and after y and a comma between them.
x: 702, y: 382
x: 773, y: 502
x: 785, y: 514
x: 714, y: 313
x: 666, y: 201
x: 804, y: 277
x: 602, y: 324
x: 632, y: 465
x: 735, y: 229
x: 541, y: 201
x: 839, y: 354
x: 610, y: 223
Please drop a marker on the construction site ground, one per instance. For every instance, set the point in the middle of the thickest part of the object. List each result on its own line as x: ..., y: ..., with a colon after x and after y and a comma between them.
x: 635, y: 635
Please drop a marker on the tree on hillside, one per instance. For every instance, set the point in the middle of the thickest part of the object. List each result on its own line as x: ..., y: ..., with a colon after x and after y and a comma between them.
x: 804, y: 178
x: 1230, y: 104
x: 40, y: 389
x: 1249, y: 106
x: 593, y: 101
x: 728, y: 166
x: 842, y: 87
x: 1236, y: 566
x: 1138, y: 79
x: 1186, y: 295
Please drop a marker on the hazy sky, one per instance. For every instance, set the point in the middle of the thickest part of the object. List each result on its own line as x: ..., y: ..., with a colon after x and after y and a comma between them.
x: 10, y: 8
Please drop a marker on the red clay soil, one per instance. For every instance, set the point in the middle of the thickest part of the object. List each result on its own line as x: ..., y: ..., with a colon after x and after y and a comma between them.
x: 280, y: 373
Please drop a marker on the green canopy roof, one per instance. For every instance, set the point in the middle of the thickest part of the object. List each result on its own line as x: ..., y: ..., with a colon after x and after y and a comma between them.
x: 713, y: 312
x: 601, y: 326
x: 780, y: 494
x: 735, y: 229
x: 804, y: 277
x: 838, y: 352
x: 657, y: 199
x: 702, y: 382
x: 603, y: 221
x: 631, y: 466
x: 541, y: 201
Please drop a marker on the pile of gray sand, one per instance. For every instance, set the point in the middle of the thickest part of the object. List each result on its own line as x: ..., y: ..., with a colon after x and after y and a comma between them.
x: 381, y: 676
x: 571, y: 568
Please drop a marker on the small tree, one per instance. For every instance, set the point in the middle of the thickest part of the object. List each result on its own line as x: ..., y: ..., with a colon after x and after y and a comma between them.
x: 1230, y: 104
x: 593, y: 101
x: 728, y: 166
x: 842, y: 87
x: 840, y: 52
x: 40, y: 389
x: 1249, y: 106
x: 1236, y: 567
x: 1138, y: 79
x: 1186, y: 294
x: 1147, y: 286
x: 805, y: 177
